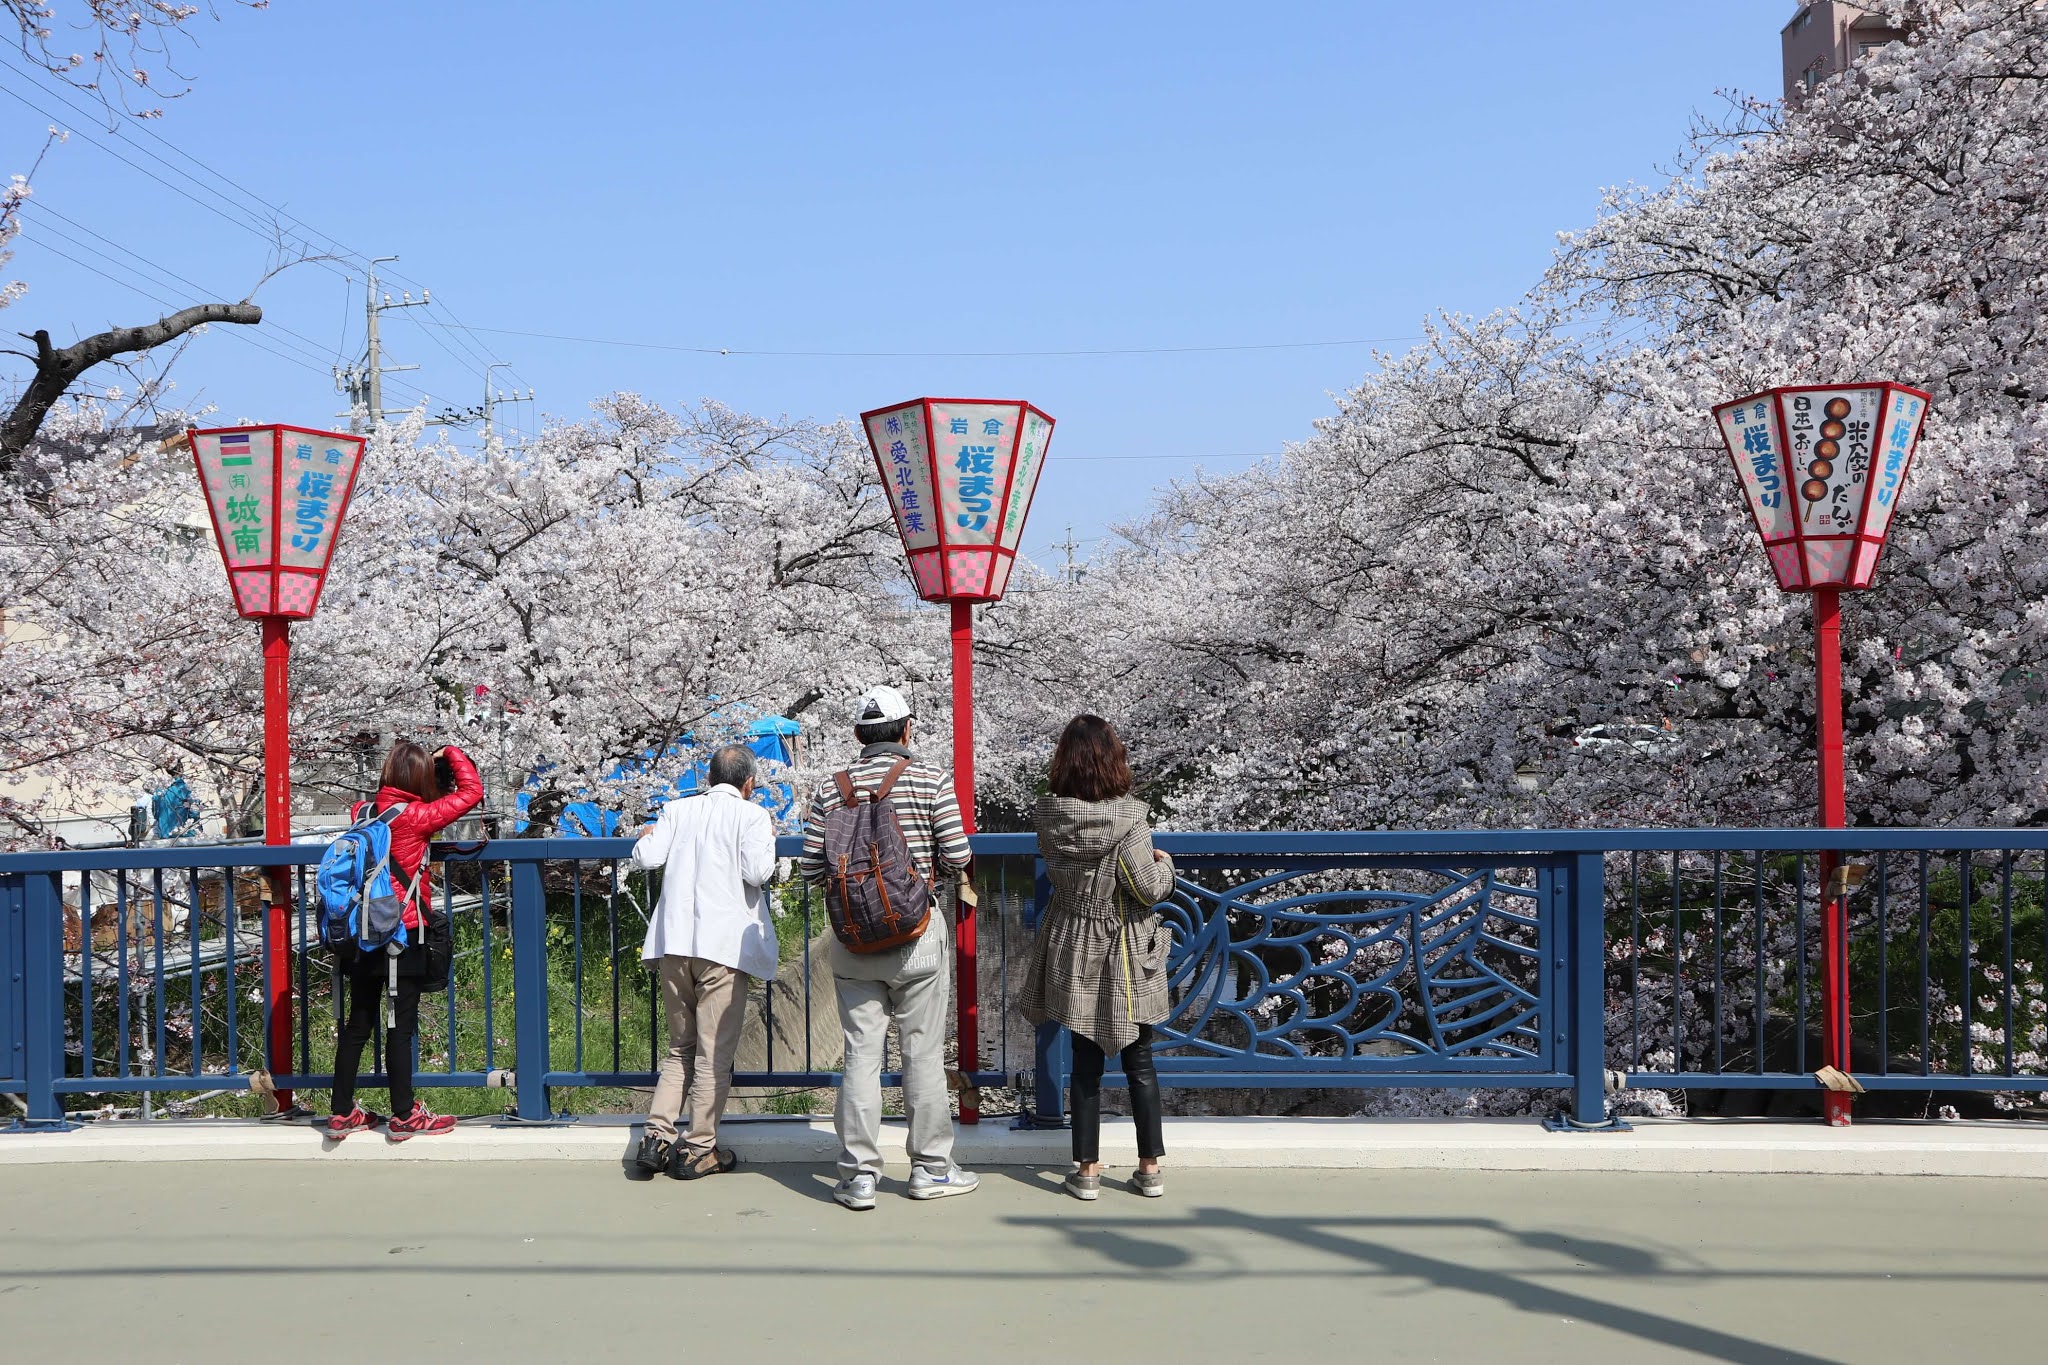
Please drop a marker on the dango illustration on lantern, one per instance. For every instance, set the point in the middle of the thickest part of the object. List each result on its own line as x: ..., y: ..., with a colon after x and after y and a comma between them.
x: 1843, y: 450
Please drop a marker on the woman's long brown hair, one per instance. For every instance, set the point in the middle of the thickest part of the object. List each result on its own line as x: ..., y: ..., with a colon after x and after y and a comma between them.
x: 1090, y: 763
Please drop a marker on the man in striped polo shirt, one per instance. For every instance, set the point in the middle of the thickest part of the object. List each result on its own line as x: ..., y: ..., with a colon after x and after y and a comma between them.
x: 907, y: 983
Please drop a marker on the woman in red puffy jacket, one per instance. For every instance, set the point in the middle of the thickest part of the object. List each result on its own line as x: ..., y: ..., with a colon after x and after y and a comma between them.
x: 409, y: 776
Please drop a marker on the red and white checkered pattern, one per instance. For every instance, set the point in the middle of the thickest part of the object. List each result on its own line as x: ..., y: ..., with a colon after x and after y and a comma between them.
x: 252, y: 592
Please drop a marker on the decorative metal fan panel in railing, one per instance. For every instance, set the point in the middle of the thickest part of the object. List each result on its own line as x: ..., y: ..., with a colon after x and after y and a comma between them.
x: 1436, y: 971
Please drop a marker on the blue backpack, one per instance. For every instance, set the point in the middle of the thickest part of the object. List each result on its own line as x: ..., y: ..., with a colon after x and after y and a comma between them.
x: 361, y: 908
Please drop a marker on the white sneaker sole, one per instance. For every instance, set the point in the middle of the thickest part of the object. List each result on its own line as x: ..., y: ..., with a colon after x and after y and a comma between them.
x: 1086, y: 1196
x: 943, y: 1191
x: 849, y: 1201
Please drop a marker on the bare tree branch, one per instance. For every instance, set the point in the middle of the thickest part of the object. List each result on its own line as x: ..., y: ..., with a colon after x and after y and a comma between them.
x: 57, y: 370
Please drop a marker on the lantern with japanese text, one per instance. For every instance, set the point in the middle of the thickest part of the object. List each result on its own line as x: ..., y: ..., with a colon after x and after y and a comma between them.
x: 1822, y: 467
x: 276, y: 495
x: 960, y: 473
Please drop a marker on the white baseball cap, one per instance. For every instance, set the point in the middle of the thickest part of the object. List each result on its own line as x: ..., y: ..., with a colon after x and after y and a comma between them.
x: 879, y: 705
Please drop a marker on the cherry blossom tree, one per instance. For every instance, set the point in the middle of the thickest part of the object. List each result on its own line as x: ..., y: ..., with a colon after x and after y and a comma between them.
x: 1527, y: 526
x: 563, y: 608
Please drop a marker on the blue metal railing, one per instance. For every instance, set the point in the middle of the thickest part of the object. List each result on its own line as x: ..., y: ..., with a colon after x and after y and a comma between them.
x: 1567, y: 960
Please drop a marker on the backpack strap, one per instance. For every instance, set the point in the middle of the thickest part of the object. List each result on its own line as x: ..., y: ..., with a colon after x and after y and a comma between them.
x: 889, y: 781
x: 389, y: 816
x: 844, y: 781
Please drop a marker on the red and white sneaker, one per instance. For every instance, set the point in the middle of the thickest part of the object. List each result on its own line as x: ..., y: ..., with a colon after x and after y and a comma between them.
x: 421, y: 1122
x: 356, y: 1120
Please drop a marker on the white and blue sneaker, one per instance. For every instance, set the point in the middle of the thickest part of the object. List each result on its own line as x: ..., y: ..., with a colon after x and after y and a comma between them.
x: 928, y: 1184
x: 856, y: 1192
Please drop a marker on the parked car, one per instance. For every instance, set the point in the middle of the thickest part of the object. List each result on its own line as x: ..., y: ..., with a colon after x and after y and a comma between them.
x: 1614, y: 739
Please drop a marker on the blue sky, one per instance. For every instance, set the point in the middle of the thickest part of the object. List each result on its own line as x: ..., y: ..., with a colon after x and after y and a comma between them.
x: 836, y: 181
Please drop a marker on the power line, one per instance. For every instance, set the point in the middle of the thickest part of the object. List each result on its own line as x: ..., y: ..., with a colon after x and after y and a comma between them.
x: 40, y: 234
x: 310, y: 235
x: 465, y: 362
x: 272, y: 343
x: 66, y: 97
x: 937, y: 355
x: 159, y: 299
x: 218, y: 212
x: 313, y: 348
x: 1220, y: 455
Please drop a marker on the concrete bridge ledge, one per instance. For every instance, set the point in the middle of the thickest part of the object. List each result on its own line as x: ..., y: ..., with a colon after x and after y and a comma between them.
x: 2006, y: 1150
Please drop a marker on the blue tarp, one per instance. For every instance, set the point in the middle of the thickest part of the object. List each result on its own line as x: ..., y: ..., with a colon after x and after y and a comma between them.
x: 173, y: 812
x: 771, y: 737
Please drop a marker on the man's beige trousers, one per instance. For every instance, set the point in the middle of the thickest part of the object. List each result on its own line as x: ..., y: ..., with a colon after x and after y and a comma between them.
x: 706, y: 1004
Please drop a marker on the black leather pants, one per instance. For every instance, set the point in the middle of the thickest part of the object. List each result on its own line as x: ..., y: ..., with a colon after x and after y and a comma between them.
x: 1144, y: 1083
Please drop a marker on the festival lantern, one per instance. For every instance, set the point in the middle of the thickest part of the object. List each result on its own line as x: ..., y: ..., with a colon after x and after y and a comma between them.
x: 1822, y: 467
x: 960, y: 474
x: 276, y: 495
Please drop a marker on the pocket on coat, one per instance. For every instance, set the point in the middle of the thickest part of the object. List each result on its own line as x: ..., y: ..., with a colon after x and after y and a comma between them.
x: 1158, y: 947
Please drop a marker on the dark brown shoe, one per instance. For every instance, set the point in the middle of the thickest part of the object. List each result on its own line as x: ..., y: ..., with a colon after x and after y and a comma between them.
x: 718, y: 1161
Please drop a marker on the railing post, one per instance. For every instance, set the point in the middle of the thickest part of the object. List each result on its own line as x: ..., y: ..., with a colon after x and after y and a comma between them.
x: 1588, y: 1061
x: 530, y: 988
x: 42, y: 967
x: 13, y: 979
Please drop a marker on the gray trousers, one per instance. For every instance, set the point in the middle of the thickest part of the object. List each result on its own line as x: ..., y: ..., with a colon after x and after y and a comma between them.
x: 907, y: 985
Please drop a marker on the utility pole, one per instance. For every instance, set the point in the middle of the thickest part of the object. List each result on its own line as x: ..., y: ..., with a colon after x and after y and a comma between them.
x: 1069, y: 545
x: 491, y: 401
x: 364, y: 383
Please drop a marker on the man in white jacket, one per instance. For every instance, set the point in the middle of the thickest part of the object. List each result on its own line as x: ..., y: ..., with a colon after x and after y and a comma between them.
x: 712, y: 930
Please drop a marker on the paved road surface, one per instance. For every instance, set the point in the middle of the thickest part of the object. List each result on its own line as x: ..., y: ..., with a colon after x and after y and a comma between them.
x: 514, y: 1261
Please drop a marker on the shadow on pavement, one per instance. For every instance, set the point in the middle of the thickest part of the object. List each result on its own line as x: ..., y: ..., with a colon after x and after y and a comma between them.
x: 1341, y: 1236
x: 807, y: 1181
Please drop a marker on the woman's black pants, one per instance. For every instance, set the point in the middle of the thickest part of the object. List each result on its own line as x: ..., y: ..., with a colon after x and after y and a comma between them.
x: 366, y: 985
x: 1144, y: 1083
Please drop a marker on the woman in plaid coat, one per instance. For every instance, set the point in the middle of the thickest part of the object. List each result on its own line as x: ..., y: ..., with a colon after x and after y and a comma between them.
x: 1098, y: 964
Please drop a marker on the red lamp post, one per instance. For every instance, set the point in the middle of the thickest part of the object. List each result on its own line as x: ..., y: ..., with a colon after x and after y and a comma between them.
x: 1822, y: 467
x: 960, y: 473
x: 276, y: 495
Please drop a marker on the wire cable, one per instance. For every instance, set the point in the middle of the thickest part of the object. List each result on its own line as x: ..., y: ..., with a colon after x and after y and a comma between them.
x: 312, y: 237
x: 267, y: 343
x: 159, y: 299
x: 168, y: 275
x: 179, y: 190
x: 940, y: 355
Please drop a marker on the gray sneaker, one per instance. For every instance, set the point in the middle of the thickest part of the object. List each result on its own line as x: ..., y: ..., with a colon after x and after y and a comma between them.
x: 1084, y: 1186
x: 856, y: 1192
x: 928, y: 1184
x: 1151, y: 1184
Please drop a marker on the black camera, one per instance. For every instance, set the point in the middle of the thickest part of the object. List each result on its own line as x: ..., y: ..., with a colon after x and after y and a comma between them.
x: 444, y: 774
